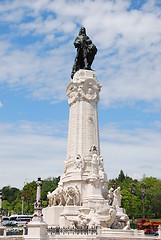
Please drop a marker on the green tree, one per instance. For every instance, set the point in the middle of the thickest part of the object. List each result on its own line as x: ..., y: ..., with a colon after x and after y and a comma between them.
x: 29, y: 194
x: 10, y: 193
x: 156, y: 205
x: 6, y: 207
x: 49, y: 185
x: 121, y: 176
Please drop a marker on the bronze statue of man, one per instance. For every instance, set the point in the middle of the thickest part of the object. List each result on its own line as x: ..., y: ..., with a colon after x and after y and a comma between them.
x: 86, y: 52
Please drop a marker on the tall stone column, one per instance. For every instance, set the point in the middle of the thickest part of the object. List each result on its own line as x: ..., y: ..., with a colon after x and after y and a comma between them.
x: 38, y: 203
x: 83, y: 93
x: 83, y: 135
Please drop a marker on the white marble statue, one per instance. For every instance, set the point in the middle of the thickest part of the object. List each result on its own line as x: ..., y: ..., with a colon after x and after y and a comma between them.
x: 50, y: 197
x: 110, y: 196
x: 94, y: 163
x: 117, y: 198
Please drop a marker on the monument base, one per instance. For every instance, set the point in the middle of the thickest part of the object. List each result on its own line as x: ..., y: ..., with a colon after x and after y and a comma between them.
x: 51, y: 215
x: 36, y: 231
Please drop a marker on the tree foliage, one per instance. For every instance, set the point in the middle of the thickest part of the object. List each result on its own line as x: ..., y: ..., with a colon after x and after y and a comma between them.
x: 10, y: 193
x: 132, y: 198
x: 12, y: 197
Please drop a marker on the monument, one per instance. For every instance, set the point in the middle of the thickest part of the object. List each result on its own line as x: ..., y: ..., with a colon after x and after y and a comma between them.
x: 82, y: 197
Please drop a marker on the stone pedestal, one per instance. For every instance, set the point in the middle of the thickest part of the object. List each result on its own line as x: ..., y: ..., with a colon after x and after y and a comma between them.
x: 37, y: 231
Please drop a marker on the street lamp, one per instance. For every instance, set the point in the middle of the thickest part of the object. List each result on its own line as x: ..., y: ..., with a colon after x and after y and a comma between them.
x: 28, y: 203
x: 0, y: 208
x: 7, y: 211
x: 22, y: 198
x: 133, y: 191
x: 143, y: 193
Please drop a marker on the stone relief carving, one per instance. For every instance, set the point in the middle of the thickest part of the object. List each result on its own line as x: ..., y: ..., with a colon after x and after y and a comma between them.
x: 79, y: 163
x: 93, y: 218
x: 64, y: 196
x: 90, y: 120
x: 72, y: 196
x: 97, y: 166
x: 93, y: 149
x: 87, y: 90
x: 58, y: 196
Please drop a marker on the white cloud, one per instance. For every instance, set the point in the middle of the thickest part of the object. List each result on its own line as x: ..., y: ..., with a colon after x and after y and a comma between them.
x: 129, y: 47
x: 1, y: 105
x: 42, y: 76
x: 26, y: 153
x: 37, y: 55
x: 136, y: 152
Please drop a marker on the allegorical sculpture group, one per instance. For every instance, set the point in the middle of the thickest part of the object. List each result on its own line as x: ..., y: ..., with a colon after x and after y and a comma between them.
x: 64, y: 196
x: 71, y: 196
x: 86, y: 52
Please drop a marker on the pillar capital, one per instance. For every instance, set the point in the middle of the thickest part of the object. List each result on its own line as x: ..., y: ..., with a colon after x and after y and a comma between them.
x: 83, y: 87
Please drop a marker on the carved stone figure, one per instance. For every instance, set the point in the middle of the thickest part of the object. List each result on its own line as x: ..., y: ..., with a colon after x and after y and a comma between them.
x: 93, y: 149
x: 76, y: 196
x: 79, y: 163
x: 50, y: 197
x: 102, y: 174
x: 117, y: 198
x: 121, y: 222
x: 91, y: 217
x: 86, y: 52
x: 125, y: 222
x: 94, y: 162
x: 57, y: 197
x: 110, y: 196
x: 72, y: 195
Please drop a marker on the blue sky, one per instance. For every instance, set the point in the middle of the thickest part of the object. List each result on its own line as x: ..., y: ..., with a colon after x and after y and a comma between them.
x: 37, y: 54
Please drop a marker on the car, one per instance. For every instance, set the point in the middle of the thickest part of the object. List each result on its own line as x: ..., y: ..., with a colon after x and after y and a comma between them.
x: 5, y: 221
